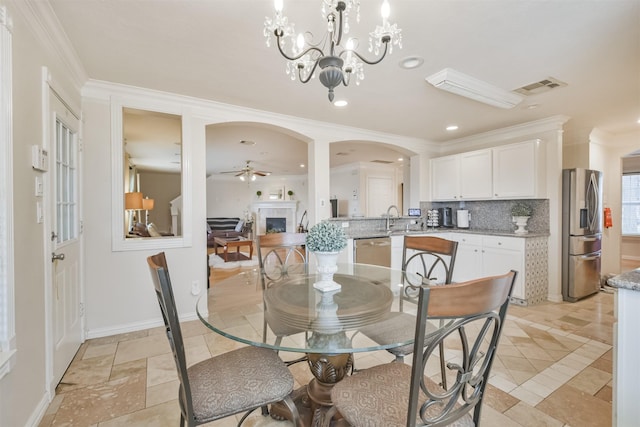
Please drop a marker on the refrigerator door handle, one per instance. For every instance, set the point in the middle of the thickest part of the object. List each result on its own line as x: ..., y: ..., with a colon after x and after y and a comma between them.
x: 589, y: 239
x: 592, y: 200
x: 589, y: 257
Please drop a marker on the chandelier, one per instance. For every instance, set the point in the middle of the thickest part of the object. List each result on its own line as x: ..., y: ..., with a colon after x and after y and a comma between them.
x: 337, y: 62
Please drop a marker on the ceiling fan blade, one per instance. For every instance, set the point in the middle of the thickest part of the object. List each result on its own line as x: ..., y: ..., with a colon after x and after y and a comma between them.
x: 261, y: 173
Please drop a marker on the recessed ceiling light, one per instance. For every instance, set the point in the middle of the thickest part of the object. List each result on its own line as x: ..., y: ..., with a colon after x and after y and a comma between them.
x: 532, y: 106
x: 639, y: 121
x: 452, y: 127
x: 400, y: 159
x: 340, y: 103
x: 301, y: 165
x: 411, y: 62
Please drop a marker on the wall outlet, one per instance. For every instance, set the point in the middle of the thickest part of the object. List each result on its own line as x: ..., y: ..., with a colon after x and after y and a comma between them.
x: 195, y: 288
x: 345, y: 224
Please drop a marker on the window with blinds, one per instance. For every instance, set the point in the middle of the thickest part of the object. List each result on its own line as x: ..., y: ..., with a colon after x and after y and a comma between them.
x: 631, y: 204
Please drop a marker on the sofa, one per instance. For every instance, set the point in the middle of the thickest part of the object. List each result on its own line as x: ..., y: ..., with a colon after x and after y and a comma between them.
x: 225, y: 227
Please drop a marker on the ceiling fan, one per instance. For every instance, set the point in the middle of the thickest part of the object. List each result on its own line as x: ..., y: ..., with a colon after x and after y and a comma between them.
x: 247, y: 172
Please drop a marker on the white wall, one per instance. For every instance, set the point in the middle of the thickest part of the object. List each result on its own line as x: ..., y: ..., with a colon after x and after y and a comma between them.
x: 230, y: 197
x: 605, y: 154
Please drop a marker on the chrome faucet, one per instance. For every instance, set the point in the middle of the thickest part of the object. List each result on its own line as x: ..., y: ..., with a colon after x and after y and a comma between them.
x: 389, y: 223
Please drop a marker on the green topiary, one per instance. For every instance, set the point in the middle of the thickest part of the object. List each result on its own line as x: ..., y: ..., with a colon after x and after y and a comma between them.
x: 326, y: 237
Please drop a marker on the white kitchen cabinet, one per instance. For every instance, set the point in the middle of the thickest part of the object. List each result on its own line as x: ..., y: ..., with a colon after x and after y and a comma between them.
x: 501, y: 254
x: 468, y: 263
x: 476, y: 177
x: 482, y: 255
x: 445, y: 178
x: 505, y: 172
x: 516, y: 171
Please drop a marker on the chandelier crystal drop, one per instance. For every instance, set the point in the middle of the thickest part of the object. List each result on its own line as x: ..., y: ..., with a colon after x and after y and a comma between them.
x: 337, y: 62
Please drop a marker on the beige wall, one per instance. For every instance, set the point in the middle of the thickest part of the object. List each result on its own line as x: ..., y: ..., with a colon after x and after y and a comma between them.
x: 23, y: 396
x: 162, y: 188
x: 605, y: 154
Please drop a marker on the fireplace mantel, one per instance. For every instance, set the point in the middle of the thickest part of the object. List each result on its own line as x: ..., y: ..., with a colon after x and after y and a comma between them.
x: 275, y: 208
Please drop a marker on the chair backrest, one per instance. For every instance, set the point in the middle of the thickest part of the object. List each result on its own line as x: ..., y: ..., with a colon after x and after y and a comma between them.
x: 475, y: 311
x: 164, y: 292
x: 281, y: 255
x: 431, y: 257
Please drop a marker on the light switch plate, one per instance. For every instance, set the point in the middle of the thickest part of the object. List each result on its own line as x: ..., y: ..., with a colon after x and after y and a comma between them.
x: 38, y: 189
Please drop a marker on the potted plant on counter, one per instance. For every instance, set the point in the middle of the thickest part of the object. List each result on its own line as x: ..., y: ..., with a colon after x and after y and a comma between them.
x: 520, y: 214
x: 326, y: 240
x: 259, y: 194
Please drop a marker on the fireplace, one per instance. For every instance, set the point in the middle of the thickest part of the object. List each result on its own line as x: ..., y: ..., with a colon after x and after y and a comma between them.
x: 283, y: 211
x: 276, y: 225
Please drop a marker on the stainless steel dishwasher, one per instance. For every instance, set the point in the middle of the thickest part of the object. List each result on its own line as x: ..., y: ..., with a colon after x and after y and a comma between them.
x: 375, y: 250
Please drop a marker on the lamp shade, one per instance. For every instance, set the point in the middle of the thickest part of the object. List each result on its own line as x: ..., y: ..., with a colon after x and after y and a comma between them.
x: 147, y: 204
x: 133, y: 200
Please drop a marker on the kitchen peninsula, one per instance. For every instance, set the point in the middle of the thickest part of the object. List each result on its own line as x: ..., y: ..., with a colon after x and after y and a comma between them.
x: 488, y: 247
x: 626, y: 370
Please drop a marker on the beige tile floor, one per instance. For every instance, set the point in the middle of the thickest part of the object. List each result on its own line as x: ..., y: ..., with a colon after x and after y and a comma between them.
x: 553, y: 368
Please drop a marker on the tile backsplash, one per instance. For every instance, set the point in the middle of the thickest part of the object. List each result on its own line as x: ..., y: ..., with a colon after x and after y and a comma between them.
x: 496, y: 214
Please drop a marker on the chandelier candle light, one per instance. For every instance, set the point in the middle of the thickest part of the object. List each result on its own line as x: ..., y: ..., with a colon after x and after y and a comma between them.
x: 337, y: 62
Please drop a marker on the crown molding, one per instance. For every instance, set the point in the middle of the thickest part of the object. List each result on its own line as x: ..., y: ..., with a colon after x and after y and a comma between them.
x: 523, y: 130
x: 44, y: 24
x: 217, y: 112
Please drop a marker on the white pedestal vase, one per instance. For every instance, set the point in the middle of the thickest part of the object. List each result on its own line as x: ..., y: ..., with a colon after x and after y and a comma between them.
x: 521, y: 223
x: 327, y: 265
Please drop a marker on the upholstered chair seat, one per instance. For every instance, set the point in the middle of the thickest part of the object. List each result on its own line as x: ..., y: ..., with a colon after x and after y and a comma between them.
x: 382, y: 397
x: 259, y: 378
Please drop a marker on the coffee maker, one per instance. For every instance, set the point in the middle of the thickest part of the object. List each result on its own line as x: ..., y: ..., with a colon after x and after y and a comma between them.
x: 445, y: 217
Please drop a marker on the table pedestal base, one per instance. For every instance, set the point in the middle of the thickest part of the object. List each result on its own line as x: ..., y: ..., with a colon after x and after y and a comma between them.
x: 314, y: 399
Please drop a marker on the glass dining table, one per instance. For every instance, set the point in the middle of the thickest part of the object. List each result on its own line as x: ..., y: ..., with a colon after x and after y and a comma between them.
x: 290, y: 315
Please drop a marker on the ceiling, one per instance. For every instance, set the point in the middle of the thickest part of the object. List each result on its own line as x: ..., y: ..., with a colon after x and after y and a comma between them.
x: 215, y: 49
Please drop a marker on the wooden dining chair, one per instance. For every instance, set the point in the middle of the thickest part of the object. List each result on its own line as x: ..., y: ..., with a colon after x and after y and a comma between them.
x: 428, y: 259
x: 281, y: 256
x: 398, y: 395
x: 238, y: 381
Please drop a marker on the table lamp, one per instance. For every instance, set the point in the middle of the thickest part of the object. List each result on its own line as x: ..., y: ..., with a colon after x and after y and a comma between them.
x: 132, y: 203
x: 147, y: 205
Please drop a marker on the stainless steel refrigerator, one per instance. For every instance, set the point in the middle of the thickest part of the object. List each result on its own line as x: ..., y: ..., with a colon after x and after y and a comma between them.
x: 581, y: 232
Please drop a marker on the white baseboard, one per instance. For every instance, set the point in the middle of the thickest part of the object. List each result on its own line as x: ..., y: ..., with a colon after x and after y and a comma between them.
x: 133, y: 327
x: 554, y: 297
x: 39, y: 411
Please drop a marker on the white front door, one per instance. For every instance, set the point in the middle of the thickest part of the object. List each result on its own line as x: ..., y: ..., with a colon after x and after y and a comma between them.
x: 64, y: 226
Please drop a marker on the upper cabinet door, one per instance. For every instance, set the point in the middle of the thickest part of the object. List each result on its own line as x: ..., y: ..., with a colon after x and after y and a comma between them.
x: 445, y: 178
x: 476, y: 175
x: 515, y: 170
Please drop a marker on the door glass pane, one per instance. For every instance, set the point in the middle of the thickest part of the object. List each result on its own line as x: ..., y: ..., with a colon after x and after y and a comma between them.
x: 66, y: 185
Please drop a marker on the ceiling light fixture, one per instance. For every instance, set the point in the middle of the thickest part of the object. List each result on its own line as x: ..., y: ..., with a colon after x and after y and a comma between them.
x: 338, y: 63
x: 411, y: 62
x: 452, y: 127
x: 340, y: 103
x: 461, y: 84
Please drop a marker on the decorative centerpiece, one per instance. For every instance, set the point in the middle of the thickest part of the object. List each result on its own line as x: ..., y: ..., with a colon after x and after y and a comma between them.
x: 290, y: 193
x: 520, y: 214
x: 326, y: 240
x: 259, y: 194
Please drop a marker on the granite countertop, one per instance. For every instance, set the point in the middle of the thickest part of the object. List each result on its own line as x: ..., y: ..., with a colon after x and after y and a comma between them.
x: 629, y: 280
x: 366, y: 234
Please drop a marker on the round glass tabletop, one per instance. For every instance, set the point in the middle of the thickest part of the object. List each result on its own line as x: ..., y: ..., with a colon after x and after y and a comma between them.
x: 292, y: 315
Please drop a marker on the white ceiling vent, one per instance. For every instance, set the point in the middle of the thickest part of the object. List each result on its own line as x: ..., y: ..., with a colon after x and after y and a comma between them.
x: 386, y: 162
x: 541, y: 86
